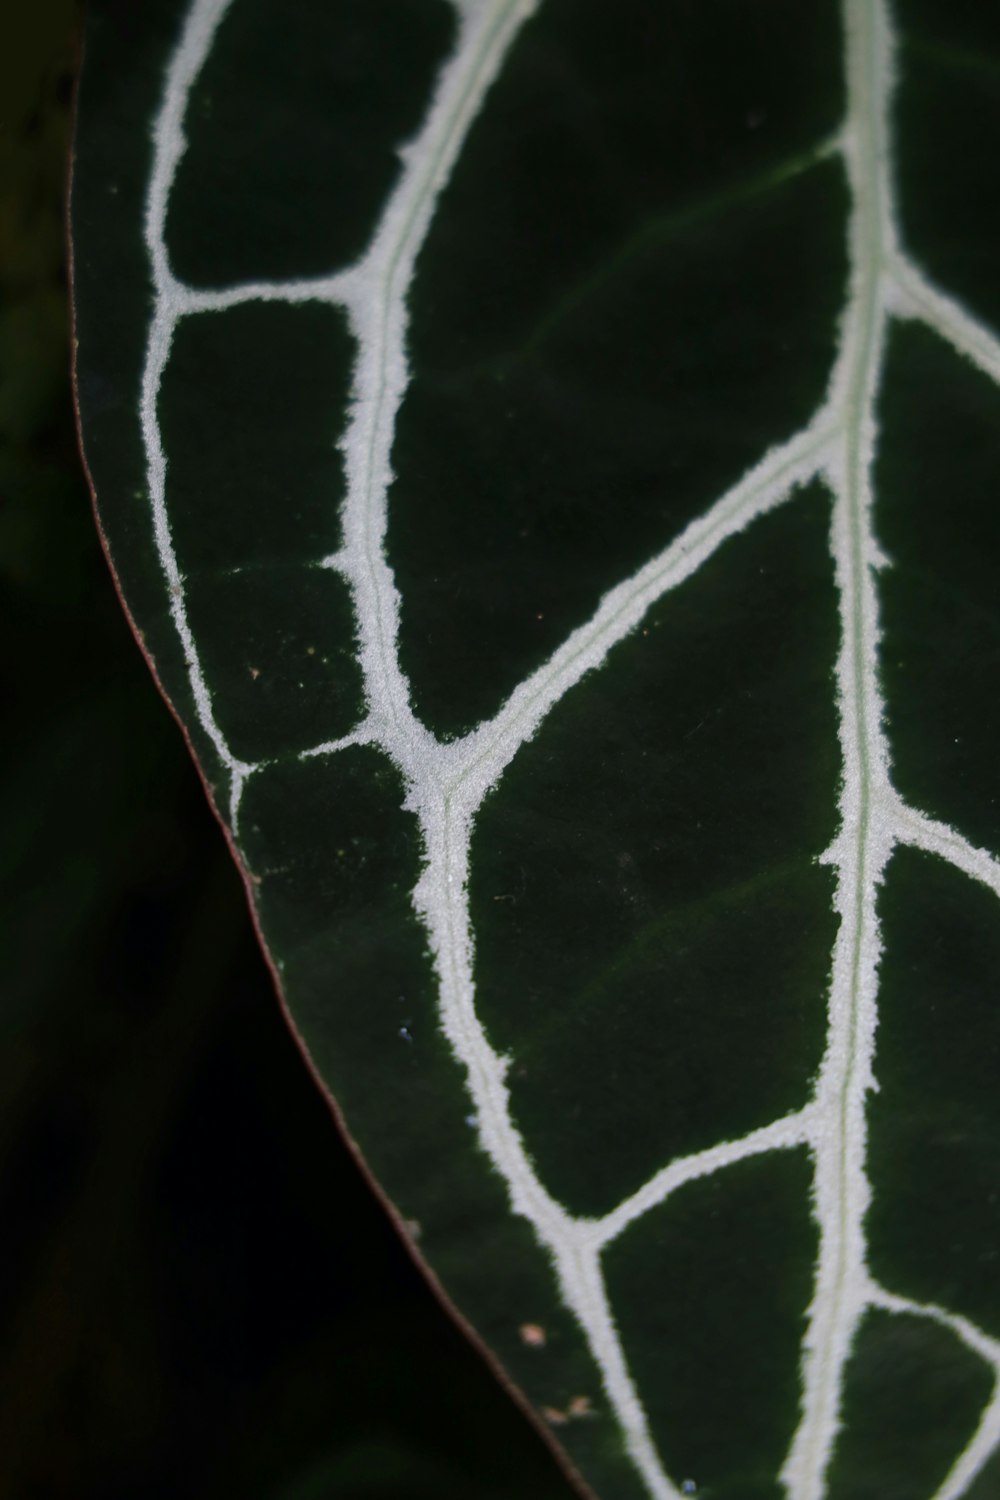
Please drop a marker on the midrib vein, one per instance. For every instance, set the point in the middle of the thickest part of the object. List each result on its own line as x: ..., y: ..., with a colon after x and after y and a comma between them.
x: 841, y: 1186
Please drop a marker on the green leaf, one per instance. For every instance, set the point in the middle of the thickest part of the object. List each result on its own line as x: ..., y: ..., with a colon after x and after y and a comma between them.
x: 548, y: 453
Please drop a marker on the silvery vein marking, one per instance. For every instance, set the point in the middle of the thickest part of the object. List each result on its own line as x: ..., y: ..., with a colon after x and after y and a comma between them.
x: 489, y: 748
x: 372, y: 292
x: 798, y: 1129
x: 933, y: 837
x: 911, y: 295
x: 168, y: 147
x: 447, y: 782
x: 986, y: 1437
x: 873, y: 817
x: 841, y: 1191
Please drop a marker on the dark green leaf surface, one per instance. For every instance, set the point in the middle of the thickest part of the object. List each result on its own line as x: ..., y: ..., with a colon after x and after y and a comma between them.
x: 548, y: 453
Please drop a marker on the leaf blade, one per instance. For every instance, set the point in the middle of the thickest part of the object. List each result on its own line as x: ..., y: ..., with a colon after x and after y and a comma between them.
x: 447, y: 776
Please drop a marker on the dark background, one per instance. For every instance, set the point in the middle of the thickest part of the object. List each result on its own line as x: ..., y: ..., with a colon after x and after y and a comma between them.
x: 198, y: 1294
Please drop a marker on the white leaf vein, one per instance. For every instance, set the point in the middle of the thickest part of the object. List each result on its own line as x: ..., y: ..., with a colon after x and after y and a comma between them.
x: 447, y: 782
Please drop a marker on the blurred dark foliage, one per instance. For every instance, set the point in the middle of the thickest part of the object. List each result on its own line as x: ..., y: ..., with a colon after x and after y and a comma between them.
x: 199, y: 1296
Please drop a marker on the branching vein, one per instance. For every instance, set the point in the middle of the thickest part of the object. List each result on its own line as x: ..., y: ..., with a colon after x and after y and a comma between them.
x: 446, y: 782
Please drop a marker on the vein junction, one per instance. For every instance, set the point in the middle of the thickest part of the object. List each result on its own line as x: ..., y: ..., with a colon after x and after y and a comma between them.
x: 447, y: 782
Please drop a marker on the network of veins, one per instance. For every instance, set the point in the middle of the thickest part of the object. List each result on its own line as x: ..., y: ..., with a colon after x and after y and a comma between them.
x: 447, y: 781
